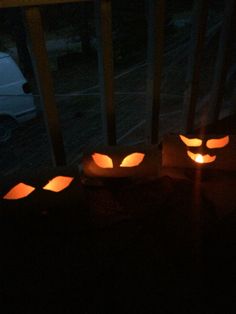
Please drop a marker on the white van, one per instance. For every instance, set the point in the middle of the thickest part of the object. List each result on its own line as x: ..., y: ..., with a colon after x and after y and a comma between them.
x: 16, y: 101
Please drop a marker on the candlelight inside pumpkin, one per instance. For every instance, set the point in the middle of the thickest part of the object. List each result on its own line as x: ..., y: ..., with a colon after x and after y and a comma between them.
x: 58, y: 184
x: 191, y: 142
x: 102, y: 161
x: 213, y: 143
x: 21, y: 190
x: 201, y: 159
x: 218, y: 143
x: 132, y: 160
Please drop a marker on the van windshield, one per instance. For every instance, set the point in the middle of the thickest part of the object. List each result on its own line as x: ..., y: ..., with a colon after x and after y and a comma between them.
x: 9, y: 72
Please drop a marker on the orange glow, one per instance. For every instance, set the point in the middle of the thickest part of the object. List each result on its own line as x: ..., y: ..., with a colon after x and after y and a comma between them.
x: 191, y: 142
x: 218, y: 143
x: 102, y: 161
x: 201, y: 159
x: 21, y: 190
x: 132, y: 160
x: 58, y: 184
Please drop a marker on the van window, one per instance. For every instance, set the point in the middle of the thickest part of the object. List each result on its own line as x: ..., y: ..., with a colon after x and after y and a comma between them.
x: 9, y: 71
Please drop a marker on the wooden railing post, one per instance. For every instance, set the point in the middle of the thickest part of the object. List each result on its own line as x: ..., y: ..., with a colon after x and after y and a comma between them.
x: 195, y: 63
x: 43, y: 75
x: 156, y: 26
x: 103, y: 17
x: 227, y: 37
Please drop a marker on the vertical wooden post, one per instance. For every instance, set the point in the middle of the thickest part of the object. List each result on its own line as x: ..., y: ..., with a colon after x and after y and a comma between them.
x: 103, y: 15
x: 195, y: 63
x: 224, y: 53
x: 42, y: 71
x: 156, y: 26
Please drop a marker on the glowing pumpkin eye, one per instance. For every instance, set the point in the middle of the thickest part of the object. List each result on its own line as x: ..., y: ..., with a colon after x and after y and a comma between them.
x: 132, y: 160
x: 58, y: 184
x: 191, y: 142
x: 21, y: 190
x: 218, y: 143
x: 102, y: 161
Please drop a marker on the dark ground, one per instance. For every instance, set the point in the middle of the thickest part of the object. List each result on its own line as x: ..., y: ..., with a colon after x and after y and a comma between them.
x: 126, y: 248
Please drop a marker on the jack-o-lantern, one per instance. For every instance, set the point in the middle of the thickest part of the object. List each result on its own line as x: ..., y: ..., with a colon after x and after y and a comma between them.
x: 210, y: 151
x: 198, y: 155
x: 22, y: 190
x: 53, y: 193
x: 121, y: 162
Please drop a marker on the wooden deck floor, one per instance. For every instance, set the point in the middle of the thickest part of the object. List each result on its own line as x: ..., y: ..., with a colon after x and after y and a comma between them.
x: 136, y: 248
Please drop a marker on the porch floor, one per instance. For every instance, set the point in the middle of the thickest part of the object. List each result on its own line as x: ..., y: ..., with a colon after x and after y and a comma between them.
x: 127, y: 247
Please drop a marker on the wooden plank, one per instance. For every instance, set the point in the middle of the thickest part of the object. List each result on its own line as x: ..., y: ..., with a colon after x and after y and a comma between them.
x: 156, y: 26
x: 103, y: 17
x: 42, y: 71
x: 223, y: 58
x: 26, y: 3
x: 195, y: 63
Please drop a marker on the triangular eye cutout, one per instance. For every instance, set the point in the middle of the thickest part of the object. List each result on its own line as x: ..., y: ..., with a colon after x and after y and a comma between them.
x: 102, y: 161
x: 21, y: 190
x: 132, y: 160
x: 58, y: 184
x: 191, y: 142
x: 218, y: 142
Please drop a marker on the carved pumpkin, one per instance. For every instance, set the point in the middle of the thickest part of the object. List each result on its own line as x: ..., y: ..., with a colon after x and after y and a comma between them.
x: 121, y: 162
x: 55, y: 193
x: 22, y: 190
x: 199, y: 157
x: 210, y: 151
x: 54, y: 196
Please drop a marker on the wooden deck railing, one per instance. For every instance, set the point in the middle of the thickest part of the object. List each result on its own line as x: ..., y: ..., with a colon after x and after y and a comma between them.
x: 156, y: 28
